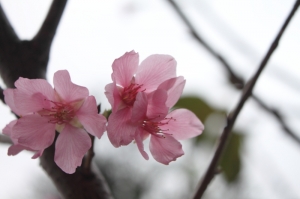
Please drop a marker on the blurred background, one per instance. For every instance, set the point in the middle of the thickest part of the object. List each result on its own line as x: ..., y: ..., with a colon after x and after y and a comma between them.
x: 262, y: 161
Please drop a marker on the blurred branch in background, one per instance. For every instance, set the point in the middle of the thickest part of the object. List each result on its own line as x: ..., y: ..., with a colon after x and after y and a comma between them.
x: 234, y: 79
x: 247, y: 91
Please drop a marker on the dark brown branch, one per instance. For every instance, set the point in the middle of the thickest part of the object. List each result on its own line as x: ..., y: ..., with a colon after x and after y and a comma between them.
x: 27, y: 58
x: 89, y: 157
x: 45, y: 36
x: 81, y: 184
x: 7, y: 33
x: 2, y: 95
x: 210, y: 173
x: 5, y: 139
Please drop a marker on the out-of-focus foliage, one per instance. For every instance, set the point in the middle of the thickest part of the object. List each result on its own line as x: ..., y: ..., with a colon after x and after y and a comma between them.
x: 230, y: 162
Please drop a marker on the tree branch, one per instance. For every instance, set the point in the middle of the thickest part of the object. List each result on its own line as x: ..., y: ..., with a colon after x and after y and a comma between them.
x: 235, y: 79
x: 45, y: 36
x: 210, y: 173
x: 5, y: 139
x: 2, y: 95
x: 82, y: 184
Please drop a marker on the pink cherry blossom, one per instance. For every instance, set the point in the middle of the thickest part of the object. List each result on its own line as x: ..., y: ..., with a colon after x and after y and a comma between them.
x: 129, y: 79
x: 151, y: 117
x: 67, y: 108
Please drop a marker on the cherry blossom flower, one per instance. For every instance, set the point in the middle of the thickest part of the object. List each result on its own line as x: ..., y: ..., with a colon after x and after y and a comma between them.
x: 151, y: 117
x: 67, y: 108
x: 129, y: 79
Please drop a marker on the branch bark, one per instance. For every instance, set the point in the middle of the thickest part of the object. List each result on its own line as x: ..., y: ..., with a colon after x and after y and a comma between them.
x: 210, y: 173
x: 30, y: 59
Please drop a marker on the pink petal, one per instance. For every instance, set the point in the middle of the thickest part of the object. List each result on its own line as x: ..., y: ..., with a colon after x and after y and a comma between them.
x: 66, y: 89
x: 37, y: 154
x: 109, y: 90
x: 88, y: 116
x: 165, y: 150
x: 120, y: 130
x: 174, y: 87
x: 32, y: 86
x: 10, y: 101
x: 22, y: 103
x: 70, y: 147
x: 154, y: 70
x: 118, y: 102
x: 124, y: 68
x: 34, y: 131
x: 30, y: 103
x: 8, y: 128
x: 185, y: 124
x: 139, y: 107
x: 157, y: 109
x: 15, y: 149
x: 139, y: 141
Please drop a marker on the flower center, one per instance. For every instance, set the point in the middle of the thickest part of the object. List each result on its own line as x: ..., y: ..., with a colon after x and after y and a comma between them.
x: 155, y: 128
x: 129, y: 93
x: 59, y: 113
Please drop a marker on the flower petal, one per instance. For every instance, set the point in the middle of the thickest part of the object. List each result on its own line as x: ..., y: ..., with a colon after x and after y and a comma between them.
x: 8, y: 128
x: 174, y: 87
x: 109, y: 90
x: 185, y: 124
x: 23, y: 103
x: 70, y: 147
x: 88, y: 116
x: 157, y: 109
x: 124, y: 68
x: 139, y: 141
x: 120, y: 130
x: 30, y: 103
x: 154, y: 70
x: 33, y: 131
x: 139, y: 107
x: 15, y: 149
x: 32, y: 86
x: 37, y: 154
x: 66, y: 89
x: 9, y: 99
x: 165, y: 150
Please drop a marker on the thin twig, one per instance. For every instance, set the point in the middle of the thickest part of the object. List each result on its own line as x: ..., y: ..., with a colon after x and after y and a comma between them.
x: 279, y: 117
x: 210, y: 173
x: 89, y: 157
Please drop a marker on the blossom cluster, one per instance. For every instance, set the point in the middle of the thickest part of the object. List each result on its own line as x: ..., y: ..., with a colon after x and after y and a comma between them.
x: 141, y: 96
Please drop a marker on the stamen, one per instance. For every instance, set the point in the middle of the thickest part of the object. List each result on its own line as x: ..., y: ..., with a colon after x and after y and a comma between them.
x: 129, y: 93
x: 155, y: 129
x: 59, y: 113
